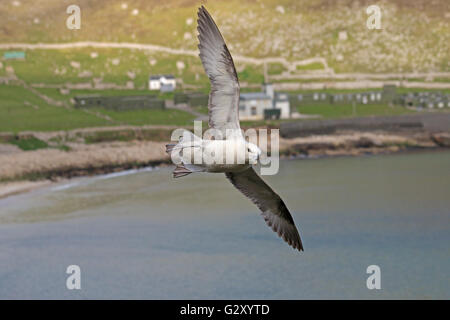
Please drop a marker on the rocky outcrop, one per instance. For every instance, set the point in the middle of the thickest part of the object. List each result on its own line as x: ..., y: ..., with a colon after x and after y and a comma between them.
x: 441, y: 139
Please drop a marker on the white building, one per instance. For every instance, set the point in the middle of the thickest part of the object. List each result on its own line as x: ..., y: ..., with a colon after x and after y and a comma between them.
x: 264, y: 104
x: 253, y: 104
x: 163, y: 82
x: 281, y: 102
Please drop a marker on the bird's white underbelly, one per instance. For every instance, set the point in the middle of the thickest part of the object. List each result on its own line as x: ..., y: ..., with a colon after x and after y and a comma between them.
x: 218, y: 155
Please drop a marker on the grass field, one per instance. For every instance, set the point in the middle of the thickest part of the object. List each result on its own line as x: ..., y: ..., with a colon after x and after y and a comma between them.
x: 346, y: 110
x: 275, y: 68
x: 135, y: 117
x: 150, y: 117
x: 117, y: 66
x: 57, y: 95
x: 30, y: 143
x: 311, y: 66
x: 399, y: 90
x: 22, y: 110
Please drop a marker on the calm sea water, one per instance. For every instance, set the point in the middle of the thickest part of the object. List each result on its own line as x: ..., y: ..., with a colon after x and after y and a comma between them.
x: 145, y: 235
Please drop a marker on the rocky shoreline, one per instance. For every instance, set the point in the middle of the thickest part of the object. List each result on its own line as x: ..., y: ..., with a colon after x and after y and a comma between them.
x: 22, y: 171
x: 81, y: 160
x: 356, y: 144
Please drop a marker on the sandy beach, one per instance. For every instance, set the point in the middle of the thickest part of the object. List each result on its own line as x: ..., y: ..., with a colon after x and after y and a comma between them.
x: 11, y: 188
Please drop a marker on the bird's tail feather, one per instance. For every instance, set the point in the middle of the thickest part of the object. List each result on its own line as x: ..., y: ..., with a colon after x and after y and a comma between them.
x: 184, y: 169
x: 181, y: 171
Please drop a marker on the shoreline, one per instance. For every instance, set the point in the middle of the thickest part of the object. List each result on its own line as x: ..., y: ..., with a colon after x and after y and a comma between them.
x: 107, y: 158
x: 64, y: 155
x: 8, y: 189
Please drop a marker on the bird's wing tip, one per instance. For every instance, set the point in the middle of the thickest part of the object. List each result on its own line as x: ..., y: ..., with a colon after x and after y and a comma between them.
x: 297, y: 246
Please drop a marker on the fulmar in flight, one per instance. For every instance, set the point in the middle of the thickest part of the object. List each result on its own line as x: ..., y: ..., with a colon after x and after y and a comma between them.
x: 224, y: 117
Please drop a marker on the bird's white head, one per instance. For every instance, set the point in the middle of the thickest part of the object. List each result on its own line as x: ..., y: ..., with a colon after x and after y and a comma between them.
x: 254, y: 152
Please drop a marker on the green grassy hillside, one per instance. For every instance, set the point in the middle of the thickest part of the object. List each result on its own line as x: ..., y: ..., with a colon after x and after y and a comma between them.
x: 415, y: 37
x: 117, y: 66
x: 415, y: 34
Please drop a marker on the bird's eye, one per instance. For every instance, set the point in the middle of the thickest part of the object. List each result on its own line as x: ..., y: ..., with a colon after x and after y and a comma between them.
x: 248, y: 150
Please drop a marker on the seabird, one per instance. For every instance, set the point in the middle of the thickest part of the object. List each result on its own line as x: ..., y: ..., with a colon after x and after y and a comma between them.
x: 223, y: 109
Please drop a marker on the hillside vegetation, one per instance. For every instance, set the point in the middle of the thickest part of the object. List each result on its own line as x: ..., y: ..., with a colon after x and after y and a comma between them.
x: 314, y: 37
x: 415, y: 34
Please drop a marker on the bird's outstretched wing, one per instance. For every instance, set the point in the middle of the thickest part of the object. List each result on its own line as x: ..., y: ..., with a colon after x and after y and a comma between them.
x: 218, y: 64
x: 273, y: 209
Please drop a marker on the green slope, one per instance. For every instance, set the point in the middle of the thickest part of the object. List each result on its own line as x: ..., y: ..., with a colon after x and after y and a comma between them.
x: 415, y: 34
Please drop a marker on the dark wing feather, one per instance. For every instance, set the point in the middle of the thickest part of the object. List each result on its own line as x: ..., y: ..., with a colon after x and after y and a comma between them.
x: 218, y: 64
x: 273, y: 209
